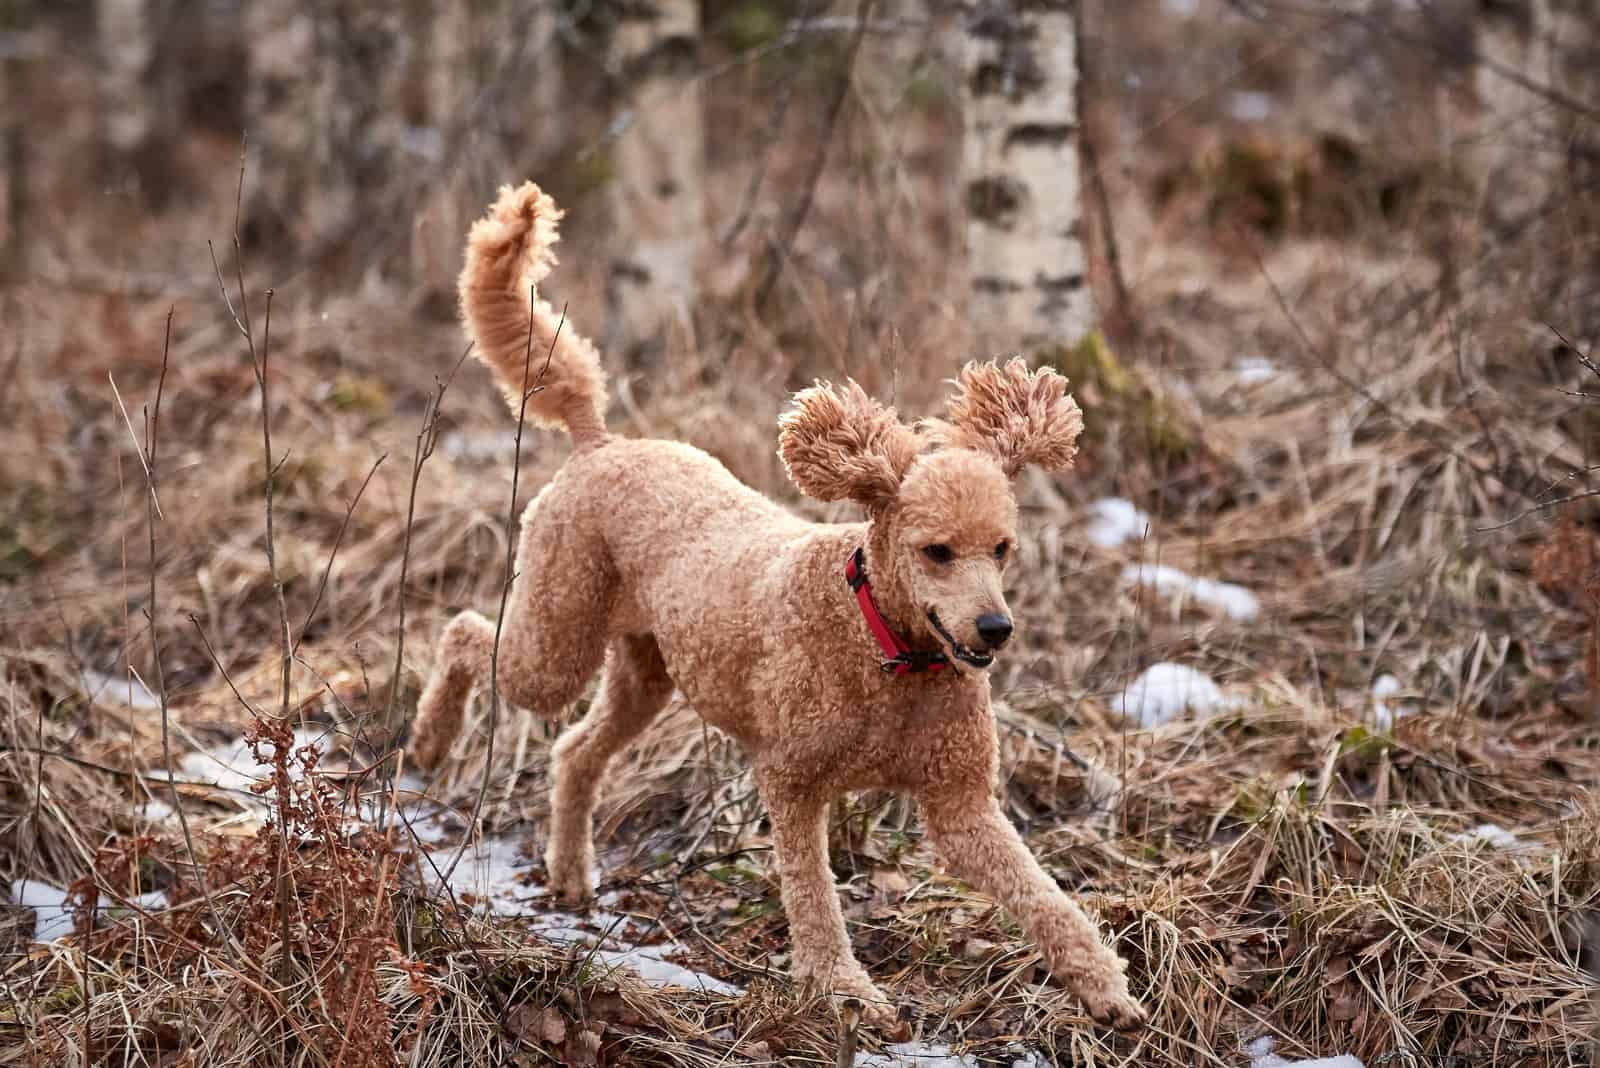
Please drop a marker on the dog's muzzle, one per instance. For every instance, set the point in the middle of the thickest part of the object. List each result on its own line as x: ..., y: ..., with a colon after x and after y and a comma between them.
x: 957, y: 650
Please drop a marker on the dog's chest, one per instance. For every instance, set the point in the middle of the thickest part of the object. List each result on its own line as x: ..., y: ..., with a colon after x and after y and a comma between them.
x: 912, y: 739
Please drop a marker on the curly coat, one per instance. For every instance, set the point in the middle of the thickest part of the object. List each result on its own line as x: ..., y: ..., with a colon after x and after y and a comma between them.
x: 624, y: 558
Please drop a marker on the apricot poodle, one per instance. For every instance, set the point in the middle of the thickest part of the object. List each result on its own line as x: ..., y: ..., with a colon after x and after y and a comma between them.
x: 841, y: 656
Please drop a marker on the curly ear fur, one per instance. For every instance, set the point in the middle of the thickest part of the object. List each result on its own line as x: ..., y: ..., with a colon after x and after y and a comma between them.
x: 1018, y: 416
x: 840, y: 444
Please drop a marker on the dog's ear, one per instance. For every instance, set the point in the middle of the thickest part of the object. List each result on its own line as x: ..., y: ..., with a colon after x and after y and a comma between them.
x: 840, y: 444
x: 1016, y: 415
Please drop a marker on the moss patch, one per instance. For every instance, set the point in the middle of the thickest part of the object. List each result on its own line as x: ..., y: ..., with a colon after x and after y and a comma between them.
x: 1114, y: 396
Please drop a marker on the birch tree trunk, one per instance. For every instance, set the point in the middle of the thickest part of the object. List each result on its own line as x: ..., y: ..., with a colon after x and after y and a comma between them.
x: 659, y: 162
x: 1514, y: 143
x: 15, y: 20
x: 362, y: 65
x: 1021, y: 177
x: 133, y: 106
x: 486, y: 65
x: 326, y: 108
x: 906, y: 73
x: 447, y: 38
x: 280, y: 112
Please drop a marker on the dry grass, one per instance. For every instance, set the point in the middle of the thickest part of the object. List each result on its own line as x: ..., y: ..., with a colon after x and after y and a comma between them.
x: 1288, y: 867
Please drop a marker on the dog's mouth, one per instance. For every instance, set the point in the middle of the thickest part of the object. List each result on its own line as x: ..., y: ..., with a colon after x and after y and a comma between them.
x: 957, y: 650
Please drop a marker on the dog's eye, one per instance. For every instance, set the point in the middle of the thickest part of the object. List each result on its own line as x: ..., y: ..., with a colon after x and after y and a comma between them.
x: 1001, y: 550
x: 939, y: 554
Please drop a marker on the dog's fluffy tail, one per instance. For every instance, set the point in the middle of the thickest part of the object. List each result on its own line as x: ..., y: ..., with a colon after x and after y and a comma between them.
x: 508, y: 254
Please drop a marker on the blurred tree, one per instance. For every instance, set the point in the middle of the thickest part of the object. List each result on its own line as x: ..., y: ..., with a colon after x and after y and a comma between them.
x: 1514, y: 143
x: 137, y: 97
x: 1021, y: 174
x: 473, y: 56
x: 280, y: 111
x: 908, y: 74
x: 15, y: 16
x: 446, y: 34
x: 327, y: 113
x: 657, y: 171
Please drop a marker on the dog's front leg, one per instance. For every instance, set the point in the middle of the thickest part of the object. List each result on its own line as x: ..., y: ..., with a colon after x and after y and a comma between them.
x: 981, y: 848
x: 819, y: 944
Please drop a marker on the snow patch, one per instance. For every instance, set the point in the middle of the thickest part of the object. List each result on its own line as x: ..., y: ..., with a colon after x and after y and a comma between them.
x: 1261, y: 1056
x: 651, y: 966
x: 52, y: 916
x: 1383, y: 713
x: 1259, y: 1050
x: 1252, y: 370
x: 497, y: 877
x: 232, y: 767
x: 123, y: 689
x: 155, y: 810
x: 1114, y: 520
x: 1164, y: 691
x: 1231, y: 600
x: 52, y: 919
x: 1183, y: 8
x: 915, y: 1055
x: 1494, y: 835
x: 481, y: 446
x: 1250, y: 105
x: 492, y: 874
x: 938, y: 1055
x: 492, y: 871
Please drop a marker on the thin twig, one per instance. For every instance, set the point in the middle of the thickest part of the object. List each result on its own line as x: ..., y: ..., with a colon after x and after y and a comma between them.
x: 152, y: 615
x: 333, y: 554
x: 427, y: 438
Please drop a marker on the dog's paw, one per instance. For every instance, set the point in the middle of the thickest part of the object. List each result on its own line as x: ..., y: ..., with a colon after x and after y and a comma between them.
x: 875, y: 1008
x: 423, y: 747
x: 854, y: 995
x: 574, y: 891
x: 571, y: 881
x: 1113, y: 1007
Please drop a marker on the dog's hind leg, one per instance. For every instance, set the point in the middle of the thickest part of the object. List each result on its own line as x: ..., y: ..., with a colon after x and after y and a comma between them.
x: 633, y: 690
x: 552, y: 640
x: 462, y: 658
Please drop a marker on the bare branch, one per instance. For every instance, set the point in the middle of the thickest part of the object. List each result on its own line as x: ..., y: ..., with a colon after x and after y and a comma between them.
x: 338, y: 541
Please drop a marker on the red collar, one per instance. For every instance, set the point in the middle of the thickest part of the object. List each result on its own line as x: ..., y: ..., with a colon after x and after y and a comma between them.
x: 898, y: 657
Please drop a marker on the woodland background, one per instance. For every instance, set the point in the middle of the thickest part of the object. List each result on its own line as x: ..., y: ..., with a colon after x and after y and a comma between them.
x: 1303, y: 701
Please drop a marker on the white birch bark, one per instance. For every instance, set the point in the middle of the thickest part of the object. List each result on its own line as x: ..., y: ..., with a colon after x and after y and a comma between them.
x: 281, y: 130
x: 1514, y: 144
x: 133, y: 104
x: 659, y: 161
x: 361, y: 68
x: 14, y: 46
x: 127, y: 34
x: 471, y: 50
x: 1021, y: 177
x: 436, y: 235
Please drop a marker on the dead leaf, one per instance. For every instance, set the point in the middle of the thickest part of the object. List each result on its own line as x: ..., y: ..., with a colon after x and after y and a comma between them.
x: 552, y: 1027
x: 889, y: 882
x: 1343, y: 1008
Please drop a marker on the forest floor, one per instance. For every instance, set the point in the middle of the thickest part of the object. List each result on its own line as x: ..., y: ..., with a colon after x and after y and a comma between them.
x: 1301, y: 703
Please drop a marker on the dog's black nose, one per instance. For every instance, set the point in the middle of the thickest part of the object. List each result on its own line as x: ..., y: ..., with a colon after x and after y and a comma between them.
x: 994, y: 628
